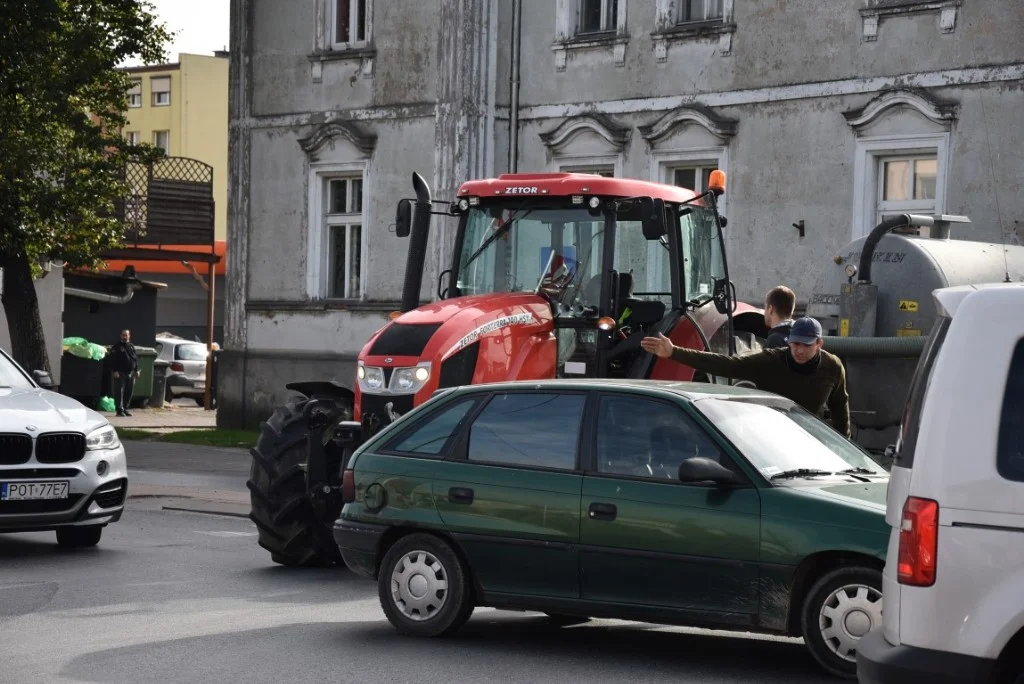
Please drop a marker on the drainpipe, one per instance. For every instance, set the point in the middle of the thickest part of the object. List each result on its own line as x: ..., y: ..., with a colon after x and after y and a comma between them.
x: 100, y: 296
x: 513, y: 120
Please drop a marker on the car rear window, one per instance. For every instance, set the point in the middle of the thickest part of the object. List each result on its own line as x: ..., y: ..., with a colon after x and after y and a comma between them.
x: 190, y: 352
x: 1010, y: 449
x: 911, y: 424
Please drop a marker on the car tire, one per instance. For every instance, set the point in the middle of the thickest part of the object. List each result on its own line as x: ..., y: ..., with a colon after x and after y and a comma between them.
x: 840, y: 608
x: 289, y: 526
x: 424, y: 588
x: 79, y: 537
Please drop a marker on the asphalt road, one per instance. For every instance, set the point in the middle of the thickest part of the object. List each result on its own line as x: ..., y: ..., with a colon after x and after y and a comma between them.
x: 185, y: 597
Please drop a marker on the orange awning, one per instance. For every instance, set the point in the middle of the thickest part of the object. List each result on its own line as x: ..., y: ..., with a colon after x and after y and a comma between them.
x: 147, y: 266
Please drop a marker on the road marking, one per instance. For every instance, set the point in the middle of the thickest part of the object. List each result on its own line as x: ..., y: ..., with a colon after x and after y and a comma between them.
x: 225, y: 533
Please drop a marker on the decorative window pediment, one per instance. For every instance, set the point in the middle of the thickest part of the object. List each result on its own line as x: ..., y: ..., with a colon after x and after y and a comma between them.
x: 719, y: 126
x: 615, y: 135
x: 327, y: 133
x: 938, y: 111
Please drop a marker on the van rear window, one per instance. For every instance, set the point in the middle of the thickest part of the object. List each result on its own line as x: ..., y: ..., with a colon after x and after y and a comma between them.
x: 911, y: 423
x: 1010, y: 449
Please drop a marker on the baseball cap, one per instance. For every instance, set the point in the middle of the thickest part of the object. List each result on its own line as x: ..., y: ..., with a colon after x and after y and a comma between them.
x: 805, y: 331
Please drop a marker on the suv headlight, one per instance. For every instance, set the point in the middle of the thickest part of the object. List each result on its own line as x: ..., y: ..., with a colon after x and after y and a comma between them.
x: 410, y: 380
x: 371, y: 379
x: 102, y: 438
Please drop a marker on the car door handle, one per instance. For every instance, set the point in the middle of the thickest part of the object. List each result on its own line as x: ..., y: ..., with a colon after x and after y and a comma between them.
x: 460, y: 495
x: 602, y: 511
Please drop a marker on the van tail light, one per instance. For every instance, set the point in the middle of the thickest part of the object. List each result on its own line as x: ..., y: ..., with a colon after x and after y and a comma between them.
x: 919, y: 540
x: 348, y: 486
x: 178, y: 367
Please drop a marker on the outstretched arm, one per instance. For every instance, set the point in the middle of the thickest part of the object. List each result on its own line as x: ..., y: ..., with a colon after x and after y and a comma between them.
x: 747, y: 367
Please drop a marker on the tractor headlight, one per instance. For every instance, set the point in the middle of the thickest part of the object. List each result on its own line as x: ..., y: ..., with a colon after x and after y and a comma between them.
x: 102, y: 438
x: 371, y: 379
x: 410, y: 380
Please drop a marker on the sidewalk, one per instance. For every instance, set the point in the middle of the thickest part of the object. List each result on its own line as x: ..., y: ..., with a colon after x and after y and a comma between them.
x: 166, y: 419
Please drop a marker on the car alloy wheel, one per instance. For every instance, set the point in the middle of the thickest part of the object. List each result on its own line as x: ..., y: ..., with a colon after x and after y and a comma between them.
x: 419, y: 585
x: 847, y: 615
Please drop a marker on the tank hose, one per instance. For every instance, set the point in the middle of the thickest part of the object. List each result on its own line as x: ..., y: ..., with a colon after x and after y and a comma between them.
x: 890, y: 347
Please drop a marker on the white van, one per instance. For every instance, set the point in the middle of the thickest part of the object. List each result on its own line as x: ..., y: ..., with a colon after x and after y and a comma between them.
x: 953, y: 585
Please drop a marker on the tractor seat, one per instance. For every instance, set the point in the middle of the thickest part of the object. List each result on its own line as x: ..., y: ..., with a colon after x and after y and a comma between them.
x: 645, y: 312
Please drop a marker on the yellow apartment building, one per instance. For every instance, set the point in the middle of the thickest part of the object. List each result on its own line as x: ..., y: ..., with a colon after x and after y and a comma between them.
x: 183, y: 108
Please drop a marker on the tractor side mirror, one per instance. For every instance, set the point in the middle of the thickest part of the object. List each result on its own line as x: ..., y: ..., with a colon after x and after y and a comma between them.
x: 652, y: 217
x: 403, y: 218
x: 721, y: 295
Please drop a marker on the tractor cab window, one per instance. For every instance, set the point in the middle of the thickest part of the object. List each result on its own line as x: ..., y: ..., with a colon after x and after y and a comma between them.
x: 702, y: 253
x: 556, y: 251
x: 644, y: 266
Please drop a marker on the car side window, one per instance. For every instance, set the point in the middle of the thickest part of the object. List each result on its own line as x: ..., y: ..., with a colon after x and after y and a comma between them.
x: 1010, y: 449
x: 528, y: 429
x: 430, y: 436
x: 647, y: 438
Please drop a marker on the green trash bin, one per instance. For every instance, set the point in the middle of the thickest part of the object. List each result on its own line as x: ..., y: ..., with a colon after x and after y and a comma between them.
x: 144, y: 383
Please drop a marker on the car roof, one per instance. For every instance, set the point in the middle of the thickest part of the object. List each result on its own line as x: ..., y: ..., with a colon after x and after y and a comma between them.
x: 691, y: 391
x: 950, y: 298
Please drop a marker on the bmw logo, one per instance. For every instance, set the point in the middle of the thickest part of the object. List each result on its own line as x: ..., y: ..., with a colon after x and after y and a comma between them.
x: 31, y: 428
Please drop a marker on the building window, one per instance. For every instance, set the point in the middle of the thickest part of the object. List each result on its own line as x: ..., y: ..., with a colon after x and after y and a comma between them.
x: 344, y: 226
x: 694, y: 178
x: 134, y: 137
x: 161, y: 87
x: 135, y: 94
x: 698, y: 10
x: 162, y: 139
x: 597, y: 16
x: 607, y: 171
x: 349, y: 23
x: 906, y: 184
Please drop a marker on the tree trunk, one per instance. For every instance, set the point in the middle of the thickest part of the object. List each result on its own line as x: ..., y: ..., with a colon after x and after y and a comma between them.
x: 28, y: 341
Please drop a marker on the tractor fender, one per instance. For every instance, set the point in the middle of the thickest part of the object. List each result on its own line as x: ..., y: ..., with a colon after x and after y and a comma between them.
x: 321, y: 389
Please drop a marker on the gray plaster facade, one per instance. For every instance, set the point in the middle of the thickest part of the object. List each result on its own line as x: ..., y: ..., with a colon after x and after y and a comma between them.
x: 801, y: 102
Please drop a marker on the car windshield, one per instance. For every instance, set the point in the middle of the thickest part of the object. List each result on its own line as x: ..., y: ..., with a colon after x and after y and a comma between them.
x: 11, y: 375
x: 778, y: 437
x: 508, y: 248
x: 190, y: 352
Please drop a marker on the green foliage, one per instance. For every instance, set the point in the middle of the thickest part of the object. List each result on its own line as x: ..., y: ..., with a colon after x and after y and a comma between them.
x: 63, y: 105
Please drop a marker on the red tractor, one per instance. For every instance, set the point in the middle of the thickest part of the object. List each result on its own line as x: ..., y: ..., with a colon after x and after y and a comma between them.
x: 553, y: 275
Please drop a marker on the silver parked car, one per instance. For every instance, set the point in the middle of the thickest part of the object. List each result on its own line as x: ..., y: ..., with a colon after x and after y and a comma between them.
x: 62, y: 466
x: 186, y: 374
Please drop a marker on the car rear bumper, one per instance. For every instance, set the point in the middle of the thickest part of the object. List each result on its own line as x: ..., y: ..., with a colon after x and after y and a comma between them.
x: 358, y: 543
x: 879, y: 662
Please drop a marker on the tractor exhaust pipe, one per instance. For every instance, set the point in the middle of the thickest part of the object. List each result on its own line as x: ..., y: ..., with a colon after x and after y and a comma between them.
x: 417, y: 244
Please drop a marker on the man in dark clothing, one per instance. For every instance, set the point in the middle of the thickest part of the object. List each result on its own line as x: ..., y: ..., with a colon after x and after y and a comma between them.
x: 125, y: 364
x: 779, y: 305
x: 804, y: 372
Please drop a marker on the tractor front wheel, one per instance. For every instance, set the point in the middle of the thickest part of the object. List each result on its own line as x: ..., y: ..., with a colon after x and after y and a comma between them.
x: 291, y: 528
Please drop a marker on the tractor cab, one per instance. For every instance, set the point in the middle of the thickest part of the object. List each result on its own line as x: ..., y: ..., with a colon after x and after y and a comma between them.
x: 615, y: 259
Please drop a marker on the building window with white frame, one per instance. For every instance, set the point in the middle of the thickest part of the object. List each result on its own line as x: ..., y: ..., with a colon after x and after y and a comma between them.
x: 598, y: 169
x: 135, y: 94
x: 698, y: 10
x: 906, y: 184
x: 349, y: 23
x: 162, y: 139
x: 161, y: 86
x: 134, y: 137
x: 693, y: 177
x: 344, y: 228
x: 597, y: 16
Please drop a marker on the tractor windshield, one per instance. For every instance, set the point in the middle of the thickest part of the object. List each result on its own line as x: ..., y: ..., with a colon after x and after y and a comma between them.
x: 509, y: 249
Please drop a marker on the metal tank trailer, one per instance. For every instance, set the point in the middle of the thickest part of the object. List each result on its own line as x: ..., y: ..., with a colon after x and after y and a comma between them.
x: 875, y: 305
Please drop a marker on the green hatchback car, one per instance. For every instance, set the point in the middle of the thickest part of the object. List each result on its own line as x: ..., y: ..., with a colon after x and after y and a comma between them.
x: 662, y: 502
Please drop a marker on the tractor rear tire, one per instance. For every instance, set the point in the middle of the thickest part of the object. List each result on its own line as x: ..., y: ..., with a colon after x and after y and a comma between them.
x: 289, y: 527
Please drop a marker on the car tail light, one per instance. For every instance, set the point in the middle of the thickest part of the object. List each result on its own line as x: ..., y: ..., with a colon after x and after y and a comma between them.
x: 348, y: 486
x: 178, y: 367
x: 919, y: 541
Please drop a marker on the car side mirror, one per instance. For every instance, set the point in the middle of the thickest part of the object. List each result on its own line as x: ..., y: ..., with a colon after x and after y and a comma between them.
x: 403, y: 218
x: 43, y: 379
x: 700, y: 469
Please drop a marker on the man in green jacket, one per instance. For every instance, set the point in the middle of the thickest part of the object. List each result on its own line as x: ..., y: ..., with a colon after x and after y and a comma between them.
x: 802, y: 372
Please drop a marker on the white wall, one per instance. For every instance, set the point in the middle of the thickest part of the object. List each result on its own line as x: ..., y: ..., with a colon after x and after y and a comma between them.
x: 50, y: 290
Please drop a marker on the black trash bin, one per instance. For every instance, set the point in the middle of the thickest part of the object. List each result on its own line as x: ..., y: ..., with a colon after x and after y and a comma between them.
x: 215, y: 359
x: 156, y: 399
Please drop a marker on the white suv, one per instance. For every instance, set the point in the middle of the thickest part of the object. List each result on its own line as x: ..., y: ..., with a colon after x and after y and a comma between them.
x: 953, y: 586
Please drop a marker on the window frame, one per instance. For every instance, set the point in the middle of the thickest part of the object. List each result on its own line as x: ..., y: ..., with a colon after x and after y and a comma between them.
x: 388, y: 448
x: 884, y: 206
x: 156, y: 143
x: 678, y: 7
x: 609, y: 19
x: 726, y: 449
x: 343, y: 222
x: 133, y: 137
x: 460, y: 450
x: 135, y: 94
x: 1004, y: 436
x: 664, y: 163
x: 869, y: 152
x: 332, y: 38
x: 154, y: 93
x: 318, y: 273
